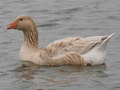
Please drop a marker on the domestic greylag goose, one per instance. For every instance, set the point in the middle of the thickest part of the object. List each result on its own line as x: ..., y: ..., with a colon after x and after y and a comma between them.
x: 68, y: 51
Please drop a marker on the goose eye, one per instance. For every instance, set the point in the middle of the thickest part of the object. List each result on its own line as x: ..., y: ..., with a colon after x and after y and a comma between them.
x: 21, y: 19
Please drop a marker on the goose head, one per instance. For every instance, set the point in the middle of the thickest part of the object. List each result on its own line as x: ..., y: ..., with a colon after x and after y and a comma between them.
x: 23, y: 23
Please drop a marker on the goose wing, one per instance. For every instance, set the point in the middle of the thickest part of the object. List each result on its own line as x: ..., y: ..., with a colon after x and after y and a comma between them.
x: 73, y: 44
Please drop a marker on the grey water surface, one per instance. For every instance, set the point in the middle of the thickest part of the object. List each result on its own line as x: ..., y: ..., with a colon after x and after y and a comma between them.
x: 57, y: 19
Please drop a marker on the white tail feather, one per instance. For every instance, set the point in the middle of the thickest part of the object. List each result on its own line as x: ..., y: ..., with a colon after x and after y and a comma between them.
x: 97, y: 54
x: 102, y: 46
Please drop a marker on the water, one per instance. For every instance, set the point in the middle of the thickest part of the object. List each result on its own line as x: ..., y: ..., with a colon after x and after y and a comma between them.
x: 57, y: 19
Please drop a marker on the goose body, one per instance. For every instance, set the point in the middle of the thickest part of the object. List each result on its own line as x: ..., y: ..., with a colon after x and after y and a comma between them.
x: 68, y: 51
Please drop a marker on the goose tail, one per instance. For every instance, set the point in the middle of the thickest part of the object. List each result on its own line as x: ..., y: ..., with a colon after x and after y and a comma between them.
x: 97, y: 55
x: 103, y: 44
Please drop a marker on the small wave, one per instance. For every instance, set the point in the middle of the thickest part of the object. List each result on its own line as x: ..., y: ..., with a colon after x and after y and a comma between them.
x: 113, y: 18
x: 47, y: 25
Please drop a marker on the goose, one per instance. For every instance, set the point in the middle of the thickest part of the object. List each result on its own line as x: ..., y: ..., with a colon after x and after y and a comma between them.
x: 87, y: 51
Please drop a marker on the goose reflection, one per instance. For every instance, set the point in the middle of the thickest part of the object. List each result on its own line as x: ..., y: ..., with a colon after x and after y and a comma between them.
x: 62, y: 75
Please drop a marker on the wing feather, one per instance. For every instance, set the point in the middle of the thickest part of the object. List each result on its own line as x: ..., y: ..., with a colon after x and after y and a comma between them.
x: 70, y: 58
x: 73, y: 44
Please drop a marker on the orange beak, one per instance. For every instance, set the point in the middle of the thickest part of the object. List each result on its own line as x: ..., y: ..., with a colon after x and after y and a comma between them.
x: 12, y: 25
